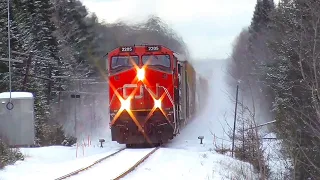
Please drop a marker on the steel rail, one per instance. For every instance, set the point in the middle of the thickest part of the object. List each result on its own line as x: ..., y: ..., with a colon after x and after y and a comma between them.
x: 136, y: 164
x: 86, y: 168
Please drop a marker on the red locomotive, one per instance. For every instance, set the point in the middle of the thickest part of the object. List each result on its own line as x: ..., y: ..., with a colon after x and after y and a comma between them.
x: 151, y: 94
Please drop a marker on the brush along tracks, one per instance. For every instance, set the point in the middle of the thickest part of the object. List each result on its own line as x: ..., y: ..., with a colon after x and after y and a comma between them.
x: 122, y: 160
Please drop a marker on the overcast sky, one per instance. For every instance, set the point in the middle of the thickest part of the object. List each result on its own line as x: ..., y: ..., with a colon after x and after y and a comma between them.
x: 209, y: 27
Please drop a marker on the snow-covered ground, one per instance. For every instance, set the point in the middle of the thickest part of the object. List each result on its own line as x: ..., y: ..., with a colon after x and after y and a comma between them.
x: 183, y: 158
x: 55, y: 161
x: 170, y: 162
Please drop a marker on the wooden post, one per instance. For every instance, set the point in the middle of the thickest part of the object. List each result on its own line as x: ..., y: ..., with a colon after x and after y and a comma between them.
x: 28, y: 63
x: 49, y: 84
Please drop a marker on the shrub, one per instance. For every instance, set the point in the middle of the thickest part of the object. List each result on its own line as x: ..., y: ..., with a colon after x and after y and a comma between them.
x: 8, y: 155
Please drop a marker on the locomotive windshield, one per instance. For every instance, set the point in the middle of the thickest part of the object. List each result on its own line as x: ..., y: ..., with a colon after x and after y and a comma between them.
x: 123, y: 61
x: 156, y: 60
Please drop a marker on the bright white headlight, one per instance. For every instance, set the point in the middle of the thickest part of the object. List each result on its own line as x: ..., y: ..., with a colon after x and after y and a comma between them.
x: 157, y: 103
x: 141, y: 74
x: 125, y: 104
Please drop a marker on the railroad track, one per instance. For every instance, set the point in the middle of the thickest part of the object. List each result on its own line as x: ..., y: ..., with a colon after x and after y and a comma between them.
x: 136, y: 164
x: 126, y: 172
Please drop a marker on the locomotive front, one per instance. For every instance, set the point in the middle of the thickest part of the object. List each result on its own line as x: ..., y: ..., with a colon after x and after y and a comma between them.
x: 141, y: 89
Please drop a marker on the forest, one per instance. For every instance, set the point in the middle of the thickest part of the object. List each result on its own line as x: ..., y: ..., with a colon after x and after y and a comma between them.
x: 58, y: 47
x: 275, y: 61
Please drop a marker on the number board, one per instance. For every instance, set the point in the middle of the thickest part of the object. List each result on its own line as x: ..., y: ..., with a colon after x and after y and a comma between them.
x: 126, y: 49
x: 153, y: 48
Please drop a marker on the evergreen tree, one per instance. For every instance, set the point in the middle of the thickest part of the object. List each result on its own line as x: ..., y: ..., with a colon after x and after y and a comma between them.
x: 15, y: 45
x: 45, y: 62
x: 259, y: 26
x: 296, y: 102
x: 22, y: 34
x: 260, y: 19
x: 296, y: 106
x: 3, y: 40
x: 75, y: 34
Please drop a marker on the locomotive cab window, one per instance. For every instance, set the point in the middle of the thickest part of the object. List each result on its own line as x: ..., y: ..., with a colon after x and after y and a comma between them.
x: 123, y: 61
x: 162, y: 60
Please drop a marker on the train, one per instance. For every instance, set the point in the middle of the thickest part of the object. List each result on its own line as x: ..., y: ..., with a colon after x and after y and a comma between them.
x: 152, y: 94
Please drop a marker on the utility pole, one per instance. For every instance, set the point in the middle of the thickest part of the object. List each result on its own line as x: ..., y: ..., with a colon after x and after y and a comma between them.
x: 235, y: 119
x: 243, y: 141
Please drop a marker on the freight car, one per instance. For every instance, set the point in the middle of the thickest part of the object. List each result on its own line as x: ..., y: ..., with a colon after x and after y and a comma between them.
x: 151, y: 94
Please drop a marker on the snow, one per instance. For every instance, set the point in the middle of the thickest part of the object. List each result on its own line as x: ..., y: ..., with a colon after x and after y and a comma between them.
x: 183, y: 158
x: 16, y: 95
x: 40, y: 162
x: 170, y: 163
x: 166, y: 163
x: 180, y: 57
x: 215, y: 120
x: 277, y: 162
x: 115, y: 165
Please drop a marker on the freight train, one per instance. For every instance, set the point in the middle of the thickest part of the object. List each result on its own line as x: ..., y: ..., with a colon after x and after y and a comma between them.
x: 152, y: 94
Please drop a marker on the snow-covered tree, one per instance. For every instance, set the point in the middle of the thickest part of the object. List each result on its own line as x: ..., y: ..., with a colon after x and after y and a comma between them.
x: 287, y: 59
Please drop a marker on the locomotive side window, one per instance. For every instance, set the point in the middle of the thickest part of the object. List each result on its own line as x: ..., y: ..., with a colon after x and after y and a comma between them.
x: 156, y: 60
x: 123, y: 61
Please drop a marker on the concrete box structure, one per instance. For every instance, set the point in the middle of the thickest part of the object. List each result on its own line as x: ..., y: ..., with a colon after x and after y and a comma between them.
x: 17, y: 126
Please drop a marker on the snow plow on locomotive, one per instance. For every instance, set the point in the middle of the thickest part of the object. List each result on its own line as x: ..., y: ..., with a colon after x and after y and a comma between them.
x: 151, y: 94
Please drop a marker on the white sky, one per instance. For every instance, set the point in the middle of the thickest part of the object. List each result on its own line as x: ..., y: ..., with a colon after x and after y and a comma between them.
x: 209, y: 27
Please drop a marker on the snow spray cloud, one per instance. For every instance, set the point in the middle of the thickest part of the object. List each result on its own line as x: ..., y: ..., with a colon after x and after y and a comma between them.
x: 216, y: 115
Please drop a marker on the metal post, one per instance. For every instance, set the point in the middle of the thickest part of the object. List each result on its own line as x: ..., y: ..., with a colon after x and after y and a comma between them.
x: 9, y: 53
x: 75, y: 96
x: 75, y: 118
x: 93, y: 121
x: 235, y: 119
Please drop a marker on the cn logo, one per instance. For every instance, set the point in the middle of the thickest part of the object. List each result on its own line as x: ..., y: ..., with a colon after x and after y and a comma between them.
x: 139, y: 96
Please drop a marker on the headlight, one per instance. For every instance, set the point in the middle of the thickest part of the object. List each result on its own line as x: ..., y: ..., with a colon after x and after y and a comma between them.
x: 125, y: 104
x: 157, y: 103
x: 140, y: 74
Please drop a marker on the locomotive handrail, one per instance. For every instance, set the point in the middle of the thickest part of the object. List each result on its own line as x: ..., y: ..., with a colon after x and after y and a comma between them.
x: 174, y: 109
x: 167, y: 92
x: 175, y: 119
